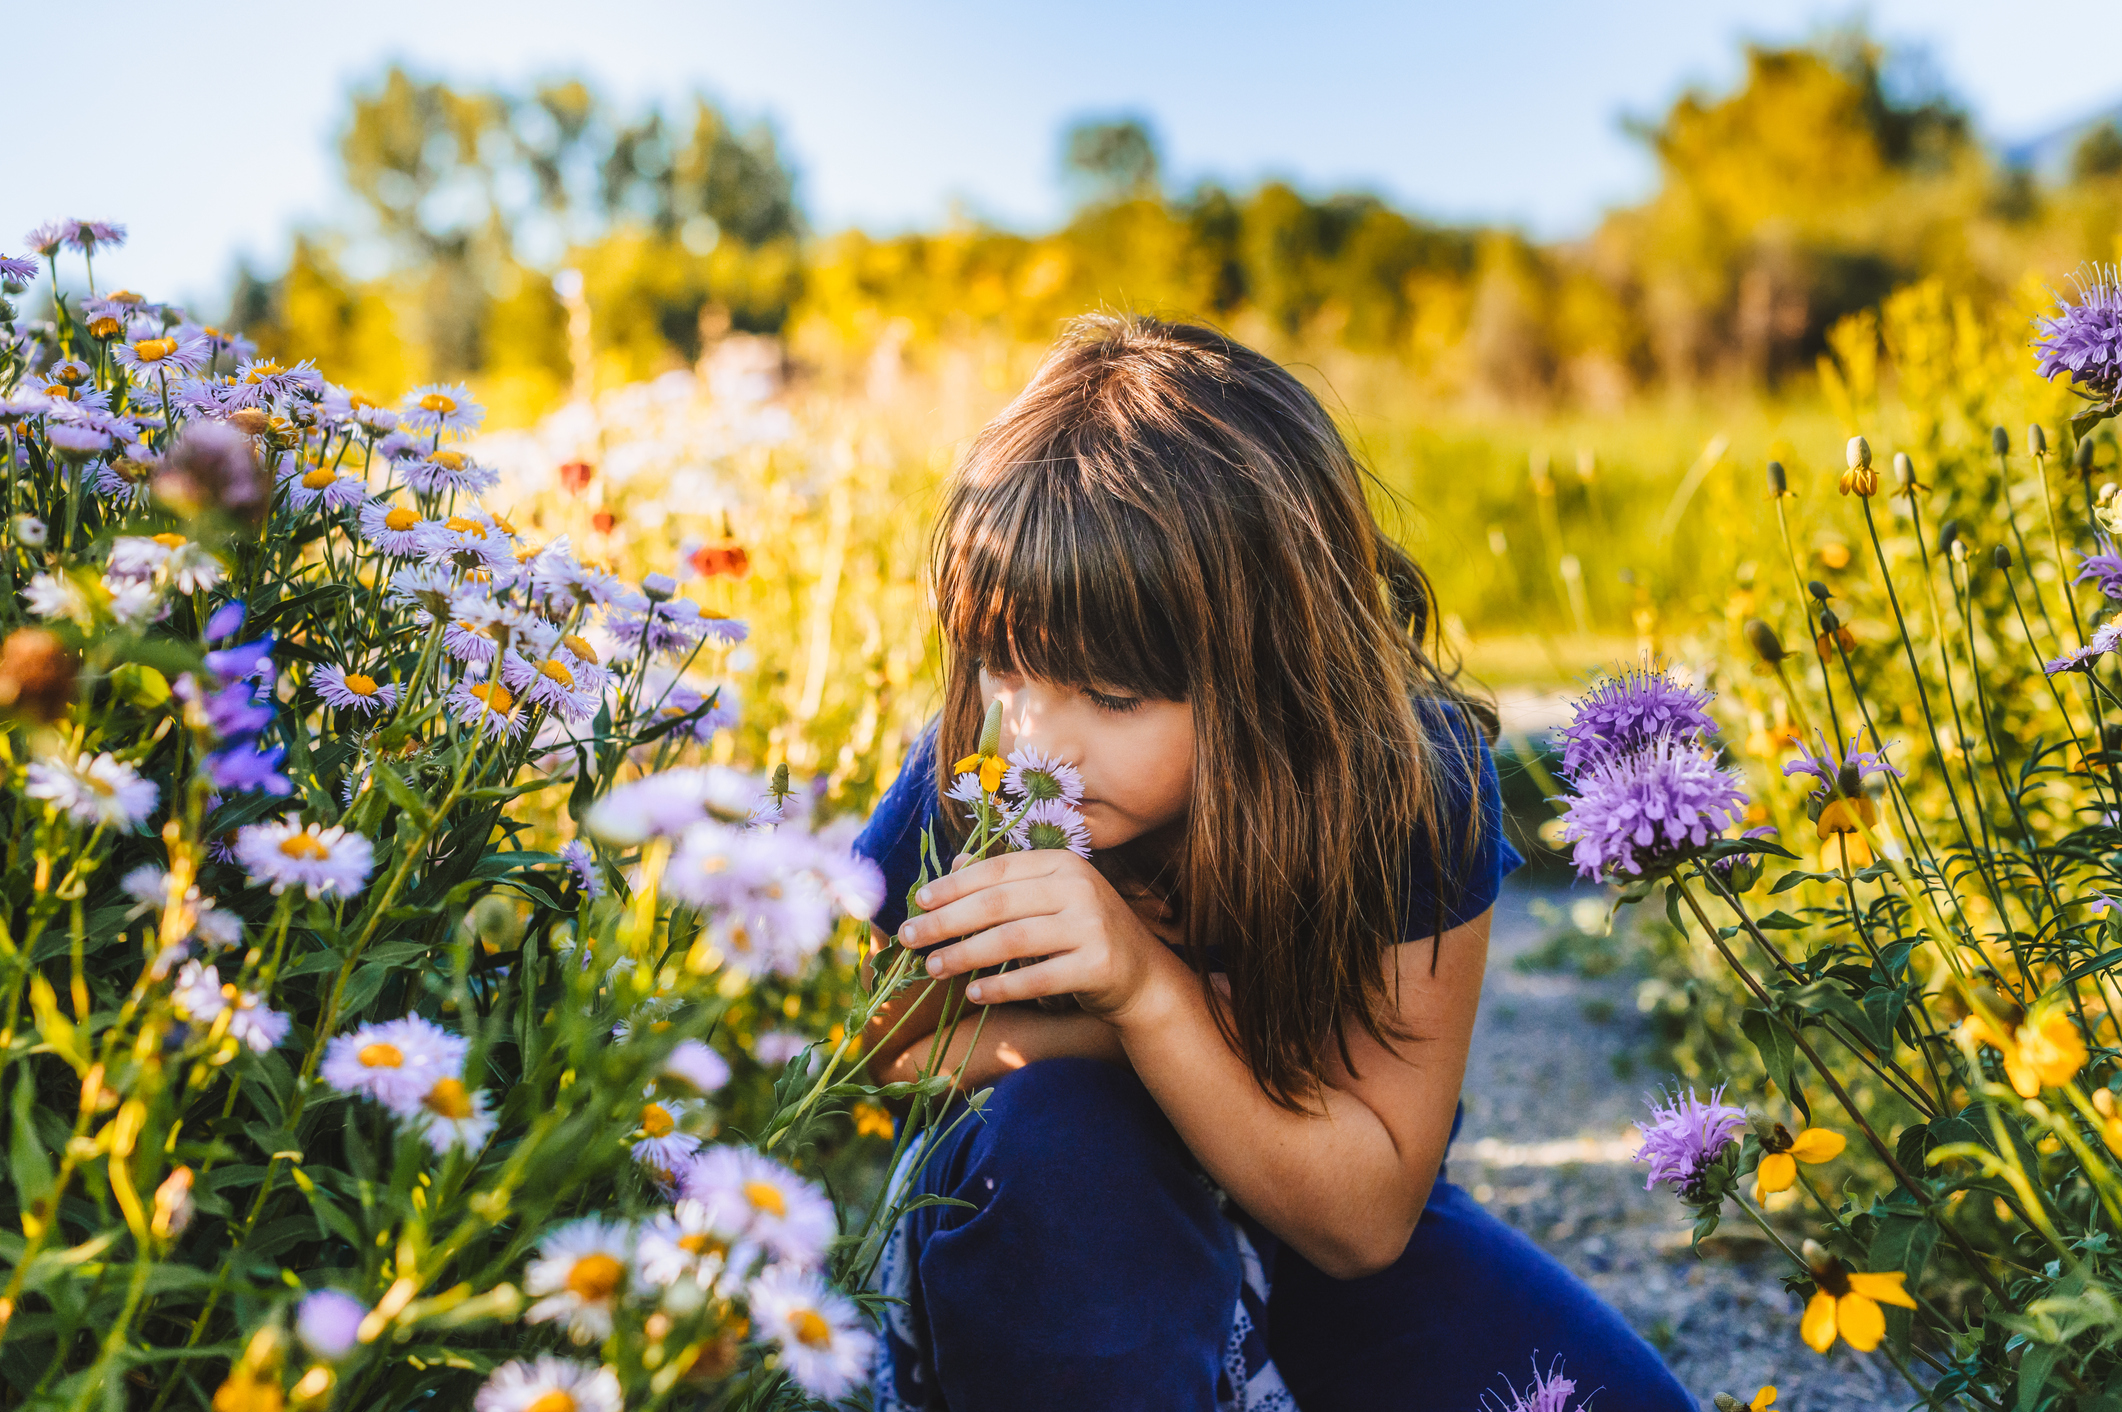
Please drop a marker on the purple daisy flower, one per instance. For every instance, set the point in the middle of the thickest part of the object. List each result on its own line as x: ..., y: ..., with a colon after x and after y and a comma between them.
x: 1626, y: 712
x: 1824, y: 766
x: 1052, y: 823
x: 47, y: 239
x: 355, y: 690
x: 16, y: 270
x: 2104, y: 568
x: 1036, y: 775
x: 1647, y: 806
x: 2078, y: 659
x: 2085, y: 339
x: 1685, y: 1136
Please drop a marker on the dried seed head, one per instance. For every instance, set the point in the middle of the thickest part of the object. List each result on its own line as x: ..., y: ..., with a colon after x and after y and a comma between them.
x: 1858, y: 453
x: 2000, y: 441
x: 2036, y: 440
x: 1904, y: 471
x: 1819, y: 590
x: 2001, y: 557
x: 2085, y: 456
x: 1762, y: 638
x: 1778, y: 483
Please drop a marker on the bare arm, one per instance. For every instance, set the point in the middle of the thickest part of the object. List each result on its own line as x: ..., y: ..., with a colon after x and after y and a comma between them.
x: 1344, y: 1183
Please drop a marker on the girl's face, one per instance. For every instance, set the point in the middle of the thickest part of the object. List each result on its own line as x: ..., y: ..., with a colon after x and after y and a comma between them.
x: 1136, y: 754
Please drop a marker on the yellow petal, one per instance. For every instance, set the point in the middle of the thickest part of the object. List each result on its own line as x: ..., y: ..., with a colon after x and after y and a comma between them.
x: 2024, y: 1080
x: 1818, y: 1326
x: 970, y: 762
x: 1818, y: 1145
x: 1860, y: 1321
x: 1776, y: 1172
x: 991, y: 771
x: 1882, y: 1285
x: 1764, y: 1399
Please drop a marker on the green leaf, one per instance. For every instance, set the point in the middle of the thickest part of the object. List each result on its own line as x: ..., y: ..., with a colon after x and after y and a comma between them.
x: 26, y: 1159
x: 2034, y: 1371
x: 1772, y: 1041
x: 404, y: 795
x: 1905, y: 1240
x: 140, y: 685
x: 1780, y: 922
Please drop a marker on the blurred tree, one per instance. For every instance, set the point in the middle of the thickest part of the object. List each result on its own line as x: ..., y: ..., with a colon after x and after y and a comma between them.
x: 2098, y: 153
x: 1112, y: 160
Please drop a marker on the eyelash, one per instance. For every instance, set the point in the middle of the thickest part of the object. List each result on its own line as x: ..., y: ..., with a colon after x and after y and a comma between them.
x: 1118, y: 705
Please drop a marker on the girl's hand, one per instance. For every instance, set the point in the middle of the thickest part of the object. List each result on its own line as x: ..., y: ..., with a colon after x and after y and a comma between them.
x: 1048, y: 903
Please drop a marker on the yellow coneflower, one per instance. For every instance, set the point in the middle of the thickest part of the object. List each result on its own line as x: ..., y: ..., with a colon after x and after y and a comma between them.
x: 1781, y: 1153
x: 1847, y: 1303
x: 2045, y: 1051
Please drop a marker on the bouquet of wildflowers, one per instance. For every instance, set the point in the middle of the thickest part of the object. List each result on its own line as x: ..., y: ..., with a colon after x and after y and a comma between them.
x: 370, y: 922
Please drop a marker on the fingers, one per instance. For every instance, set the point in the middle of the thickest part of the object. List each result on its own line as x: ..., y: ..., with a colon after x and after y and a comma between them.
x: 1051, y: 977
x: 966, y: 878
x: 998, y: 902
x: 1007, y: 942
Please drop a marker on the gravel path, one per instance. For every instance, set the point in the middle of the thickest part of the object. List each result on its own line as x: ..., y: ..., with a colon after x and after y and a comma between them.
x: 1557, y: 1075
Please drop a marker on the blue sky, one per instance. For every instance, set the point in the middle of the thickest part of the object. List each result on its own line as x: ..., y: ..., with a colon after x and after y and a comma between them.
x: 210, y: 129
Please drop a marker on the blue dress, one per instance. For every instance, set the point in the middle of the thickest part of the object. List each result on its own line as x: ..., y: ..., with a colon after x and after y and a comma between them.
x: 1094, y: 1266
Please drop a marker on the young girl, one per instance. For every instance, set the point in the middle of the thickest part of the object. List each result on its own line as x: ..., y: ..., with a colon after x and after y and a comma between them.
x: 1214, y: 1180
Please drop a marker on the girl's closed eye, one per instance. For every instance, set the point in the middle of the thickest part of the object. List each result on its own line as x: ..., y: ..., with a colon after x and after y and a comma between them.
x: 1118, y: 705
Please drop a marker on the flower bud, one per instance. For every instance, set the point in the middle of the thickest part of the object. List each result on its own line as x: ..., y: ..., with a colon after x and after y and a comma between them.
x: 1828, y: 621
x: 2036, y: 440
x: 991, y: 730
x: 1778, y: 483
x: 1959, y: 551
x: 2000, y: 441
x: 1904, y: 471
x: 1818, y: 590
x: 1858, y: 453
x: 2001, y: 557
x: 2084, y: 456
x: 30, y: 532
x: 251, y: 421
x: 1948, y: 536
x: 37, y: 674
x: 659, y: 588
x: 1762, y: 638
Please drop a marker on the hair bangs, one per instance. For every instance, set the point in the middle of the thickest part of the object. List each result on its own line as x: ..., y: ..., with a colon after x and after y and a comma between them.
x: 1041, y: 573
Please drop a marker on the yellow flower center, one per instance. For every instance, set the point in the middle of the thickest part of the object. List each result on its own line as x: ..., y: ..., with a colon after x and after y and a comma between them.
x: 105, y: 327
x: 170, y: 541
x: 448, y: 460
x: 263, y: 371
x: 360, y: 684
x: 211, y: 332
x: 765, y: 1196
x: 154, y: 350
x: 448, y: 1099
x: 558, y: 1400
x: 495, y: 696
x: 459, y: 525
x: 594, y: 1277
x: 126, y: 296
x: 319, y: 479
x: 811, y: 1329
x: 582, y: 650
x: 702, y: 1244
x: 438, y: 402
x: 358, y: 401
x: 400, y: 519
x: 552, y: 670
x: 656, y: 1121
x: 504, y: 526
x: 59, y: 389
x: 304, y: 845
x: 381, y: 1056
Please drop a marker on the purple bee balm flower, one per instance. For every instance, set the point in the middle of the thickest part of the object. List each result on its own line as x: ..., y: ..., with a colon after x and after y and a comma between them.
x: 1685, y: 1136
x: 1726, y: 866
x: 245, y: 767
x: 16, y: 270
x: 1548, y: 1392
x: 1646, y: 807
x: 1626, y: 712
x: 1824, y: 765
x: 2104, y: 568
x: 2085, y: 339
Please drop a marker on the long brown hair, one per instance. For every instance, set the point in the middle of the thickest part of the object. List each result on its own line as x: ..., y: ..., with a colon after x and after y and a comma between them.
x: 1166, y: 512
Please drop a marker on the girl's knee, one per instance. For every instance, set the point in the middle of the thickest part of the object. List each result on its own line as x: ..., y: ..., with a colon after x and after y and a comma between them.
x: 1056, y: 1113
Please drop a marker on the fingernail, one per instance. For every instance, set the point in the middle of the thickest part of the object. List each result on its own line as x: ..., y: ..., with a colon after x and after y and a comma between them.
x: 906, y: 934
x: 925, y: 896
x: 972, y: 992
x: 935, y: 965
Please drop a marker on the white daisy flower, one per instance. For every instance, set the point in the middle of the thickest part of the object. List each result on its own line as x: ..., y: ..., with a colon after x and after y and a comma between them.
x: 423, y: 586
x: 693, y: 1241
x: 391, y: 527
x: 256, y: 1024
x: 442, y: 407
x: 488, y: 705
x: 452, y: 1115
x: 468, y: 542
x: 217, y: 926
x: 53, y: 596
x: 448, y: 472
x: 776, y: 1047
x: 396, y: 1063
x: 336, y: 489
x: 358, y: 690
x: 551, y: 682
x: 146, y: 883
x: 466, y: 641
x: 661, y: 1142
x: 662, y: 804
x: 98, y: 790
x: 825, y: 1344
x: 579, y: 1275
x: 30, y: 532
x: 138, y: 556
x: 782, y: 1211
x: 190, y: 568
x: 198, y: 994
x: 549, y: 1384
x: 134, y: 602
x: 696, y: 1066
x: 323, y: 862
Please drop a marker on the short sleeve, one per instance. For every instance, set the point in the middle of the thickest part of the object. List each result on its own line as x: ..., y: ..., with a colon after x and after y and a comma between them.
x: 892, y: 837
x: 1464, y: 869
